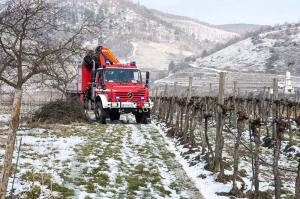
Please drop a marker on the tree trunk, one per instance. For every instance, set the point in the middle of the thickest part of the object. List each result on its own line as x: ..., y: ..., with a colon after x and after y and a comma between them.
x: 11, y: 139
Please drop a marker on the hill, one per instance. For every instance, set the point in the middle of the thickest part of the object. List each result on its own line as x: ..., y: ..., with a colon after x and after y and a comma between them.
x: 253, y: 62
x: 241, y: 29
x: 269, y: 52
x: 133, y: 31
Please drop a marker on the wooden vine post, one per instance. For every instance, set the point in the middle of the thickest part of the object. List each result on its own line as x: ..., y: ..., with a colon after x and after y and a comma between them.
x: 274, y: 106
x: 162, y: 109
x: 155, y: 100
x: 210, y: 90
x: 172, y: 108
x: 219, y: 126
x: 234, y: 103
x: 186, y: 110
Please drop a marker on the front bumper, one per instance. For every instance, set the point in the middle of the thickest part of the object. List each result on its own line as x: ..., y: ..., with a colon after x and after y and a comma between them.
x: 128, y: 105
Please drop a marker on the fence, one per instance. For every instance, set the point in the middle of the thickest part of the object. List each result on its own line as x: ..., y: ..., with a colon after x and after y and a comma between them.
x: 27, y: 109
x: 264, y: 114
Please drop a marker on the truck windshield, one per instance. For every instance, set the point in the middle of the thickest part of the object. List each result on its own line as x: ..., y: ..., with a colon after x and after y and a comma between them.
x: 123, y: 75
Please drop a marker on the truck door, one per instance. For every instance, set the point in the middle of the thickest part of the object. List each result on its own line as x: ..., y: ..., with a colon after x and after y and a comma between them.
x: 100, y: 79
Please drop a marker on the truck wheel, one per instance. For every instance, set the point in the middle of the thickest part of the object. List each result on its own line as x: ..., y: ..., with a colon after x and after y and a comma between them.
x: 100, y: 113
x: 142, y: 118
x: 138, y: 118
x: 114, y: 115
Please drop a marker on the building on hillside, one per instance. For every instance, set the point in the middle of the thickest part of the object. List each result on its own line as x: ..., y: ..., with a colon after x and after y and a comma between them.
x: 288, y: 88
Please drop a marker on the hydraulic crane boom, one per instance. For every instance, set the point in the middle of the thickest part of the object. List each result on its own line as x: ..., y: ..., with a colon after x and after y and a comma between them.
x: 106, y: 55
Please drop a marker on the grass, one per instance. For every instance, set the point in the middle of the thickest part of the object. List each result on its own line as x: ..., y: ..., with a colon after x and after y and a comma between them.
x: 43, y: 178
x: 134, y: 183
x: 34, y: 192
x: 90, y: 187
x: 64, y: 191
x: 79, y: 181
x: 102, y: 180
x: 65, y: 176
x: 175, y: 186
x: 163, y: 192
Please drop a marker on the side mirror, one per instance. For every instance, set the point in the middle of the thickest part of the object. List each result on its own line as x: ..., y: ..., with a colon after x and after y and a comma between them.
x: 93, y: 76
x: 147, y: 79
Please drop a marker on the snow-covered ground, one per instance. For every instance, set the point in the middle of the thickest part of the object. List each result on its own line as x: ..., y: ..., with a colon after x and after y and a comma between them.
x: 126, y: 160
x: 118, y: 160
x: 192, y: 161
x: 157, y: 55
x: 208, y: 186
x: 4, y: 118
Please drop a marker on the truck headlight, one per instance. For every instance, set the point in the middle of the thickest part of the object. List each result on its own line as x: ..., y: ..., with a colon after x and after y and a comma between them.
x: 114, y: 104
x: 147, y: 105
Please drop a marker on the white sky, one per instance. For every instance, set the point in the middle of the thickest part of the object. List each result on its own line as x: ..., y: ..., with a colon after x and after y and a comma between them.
x: 231, y: 11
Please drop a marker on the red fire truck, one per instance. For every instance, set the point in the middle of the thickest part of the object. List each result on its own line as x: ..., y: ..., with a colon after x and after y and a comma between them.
x: 111, y: 88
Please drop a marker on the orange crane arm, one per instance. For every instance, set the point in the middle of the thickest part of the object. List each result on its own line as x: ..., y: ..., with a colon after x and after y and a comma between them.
x: 106, y: 54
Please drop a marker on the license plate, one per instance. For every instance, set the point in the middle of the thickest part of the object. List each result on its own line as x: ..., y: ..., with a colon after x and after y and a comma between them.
x: 127, y: 105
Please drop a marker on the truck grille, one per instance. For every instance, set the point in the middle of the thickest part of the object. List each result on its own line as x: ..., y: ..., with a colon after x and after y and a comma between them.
x: 124, y: 96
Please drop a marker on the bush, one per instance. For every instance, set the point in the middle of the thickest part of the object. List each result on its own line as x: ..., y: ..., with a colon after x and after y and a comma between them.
x: 61, y: 111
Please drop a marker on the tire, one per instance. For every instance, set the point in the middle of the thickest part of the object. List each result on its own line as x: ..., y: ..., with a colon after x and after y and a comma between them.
x: 138, y: 118
x: 142, y: 118
x: 100, y: 113
x: 114, y: 115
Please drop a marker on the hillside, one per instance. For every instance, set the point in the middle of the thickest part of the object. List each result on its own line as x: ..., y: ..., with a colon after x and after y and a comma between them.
x: 268, y: 52
x: 252, y: 62
x: 132, y: 31
x: 241, y: 28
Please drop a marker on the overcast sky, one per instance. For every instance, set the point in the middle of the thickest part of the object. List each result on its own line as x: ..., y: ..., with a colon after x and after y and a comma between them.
x: 231, y: 11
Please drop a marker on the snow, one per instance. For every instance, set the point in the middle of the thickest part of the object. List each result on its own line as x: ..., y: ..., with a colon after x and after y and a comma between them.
x: 157, y: 55
x: 5, y: 117
x: 200, y: 31
x: 41, y: 152
x: 136, y: 137
x: 208, y: 187
x: 122, y: 147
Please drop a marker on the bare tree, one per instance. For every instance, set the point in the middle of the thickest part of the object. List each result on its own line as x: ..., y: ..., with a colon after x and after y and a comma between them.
x: 61, y: 72
x: 32, y: 35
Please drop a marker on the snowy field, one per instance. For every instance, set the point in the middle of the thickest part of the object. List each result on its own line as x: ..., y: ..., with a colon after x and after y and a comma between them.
x: 118, y: 160
x: 126, y: 160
